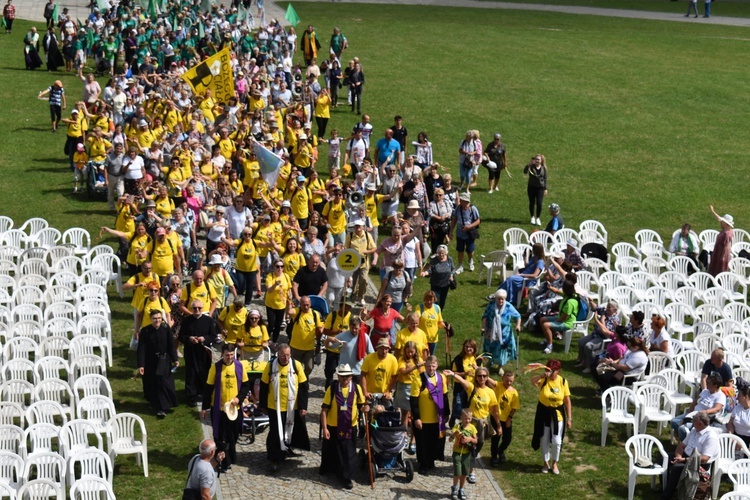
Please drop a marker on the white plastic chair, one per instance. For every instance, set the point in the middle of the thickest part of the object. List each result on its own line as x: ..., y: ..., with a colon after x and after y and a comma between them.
x: 33, y: 226
x: 625, y: 297
x: 739, y: 474
x: 42, y: 438
x: 646, y: 235
x: 706, y: 343
x: 123, y: 438
x: 46, y: 412
x: 641, y: 282
x: 597, y: 227
x: 6, y: 223
x: 627, y: 265
x: 28, y: 312
x: 51, y: 367
x: 520, y: 254
x: 515, y: 236
x: 709, y: 313
x: 92, y: 291
x: 615, y: 409
x: 702, y: 281
x: 96, y: 251
x: 41, y: 489
x: 737, y: 311
x: 60, y: 327
x: 90, y: 307
x: 735, y: 495
x: 654, y: 406
x: 690, y: 363
x: 740, y: 267
x: 111, y: 264
x: 28, y: 295
x: 565, y: 234
x: 741, y: 246
x: 33, y: 266
x: 734, y: 285
x: 20, y: 347
x: 47, y: 238
x: 19, y: 369
x: 54, y: 254
x: 14, y: 238
x: 597, y: 266
x: 85, y: 344
x: 717, y: 297
x: 658, y: 295
x: 94, y: 276
x: 54, y: 346
x: 726, y: 327
x: 588, y: 282
x: 622, y: 249
x: 640, y: 447
x: 71, y: 264
x: 86, y: 365
x: 11, y: 469
x: 610, y: 280
x: 678, y: 315
x: 92, y: 385
x: 682, y: 264
x: 740, y: 235
x: 55, y: 391
x: 61, y: 310
x: 89, y: 462
x: 653, y: 249
x: 75, y: 436
x: 58, y: 293
x: 580, y: 327
x: 729, y: 447
x: 654, y: 265
x: 543, y: 238
x: 659, y: 361
x: 98, y: 325
x: 676, y: 385
x: 91, y: 488
x: 79, y: 238
x: 491, y: 263
x: 96, y: 409
x: 28, y: 329
x: 735, y: 347
x: 49, y: 466
x: 12, y: 440
x: 671, y: 280
x: 12, y: 414
x: 66, y: 279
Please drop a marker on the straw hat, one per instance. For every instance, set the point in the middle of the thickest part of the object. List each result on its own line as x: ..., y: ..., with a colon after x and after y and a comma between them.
x: 231, y: 411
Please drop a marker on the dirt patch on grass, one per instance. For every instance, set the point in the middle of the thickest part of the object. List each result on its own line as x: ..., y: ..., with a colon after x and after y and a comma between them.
x: 585, y: 468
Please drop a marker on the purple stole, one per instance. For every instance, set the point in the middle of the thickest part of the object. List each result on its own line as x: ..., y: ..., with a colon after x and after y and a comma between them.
x: 436, y: 393
x: 216, y: 407
x: 344, y: 427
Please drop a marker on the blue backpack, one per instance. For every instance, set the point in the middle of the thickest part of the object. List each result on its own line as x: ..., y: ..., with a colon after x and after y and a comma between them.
x: 583, y: 309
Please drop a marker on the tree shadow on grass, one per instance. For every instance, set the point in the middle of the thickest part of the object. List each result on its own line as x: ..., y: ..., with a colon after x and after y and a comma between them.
x: 31, y: 129
x: 89, y: 212
x: 57, y: 159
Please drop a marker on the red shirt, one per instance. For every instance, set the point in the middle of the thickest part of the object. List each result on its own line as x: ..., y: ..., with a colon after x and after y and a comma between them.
x: 383, y: 323
x: 9, y: 11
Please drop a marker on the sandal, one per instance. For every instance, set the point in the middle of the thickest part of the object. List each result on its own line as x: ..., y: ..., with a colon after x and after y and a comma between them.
x: 545, y: 469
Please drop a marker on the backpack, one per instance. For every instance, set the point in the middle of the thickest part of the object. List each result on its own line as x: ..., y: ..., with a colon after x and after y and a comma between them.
x: 583, y: 308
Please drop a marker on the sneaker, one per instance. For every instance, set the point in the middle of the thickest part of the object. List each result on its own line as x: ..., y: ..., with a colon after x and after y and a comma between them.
x: 75, y: 190
x: 490, y: 191
x: 545, y: 469
x: 161, y: 415
x: 471, y: 265
x: 538, y: 221
x: 462, y: 494
x: 412, y: 449
x: 533, y: 221
x: 495, y: 462
x: 556, y: 471
x: 460, y: 269
x: 548, y: 349
x: 471, y: 478
x: 454, y: 492
x: 587, y: 370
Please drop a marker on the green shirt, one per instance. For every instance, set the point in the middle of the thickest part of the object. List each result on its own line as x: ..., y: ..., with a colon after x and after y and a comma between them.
x: 570, y: 308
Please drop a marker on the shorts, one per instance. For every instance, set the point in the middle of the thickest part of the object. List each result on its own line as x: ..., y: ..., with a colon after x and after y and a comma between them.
x: 465, y: 245
x: 461, y: 464
x: 79, y: 174
x: 338, y: 238
x: 555, y: 325
x: 334, y: 161
x: 401, y: 396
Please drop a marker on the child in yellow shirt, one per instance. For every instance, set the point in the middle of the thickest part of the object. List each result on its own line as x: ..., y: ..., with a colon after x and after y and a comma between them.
x: 464, y: 437
x: 80, y: 159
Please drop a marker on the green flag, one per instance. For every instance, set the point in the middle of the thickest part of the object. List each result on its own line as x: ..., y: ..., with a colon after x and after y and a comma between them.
x: 291, y: 16
x: 56, y: 13
x: 241, y: 13
x: 89, y: 39
x: 102, y: 4
x: 153, y: 10
x: 201, y: 30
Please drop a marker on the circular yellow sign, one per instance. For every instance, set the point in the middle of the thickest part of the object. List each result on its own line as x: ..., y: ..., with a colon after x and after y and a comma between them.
x: 349, y: 261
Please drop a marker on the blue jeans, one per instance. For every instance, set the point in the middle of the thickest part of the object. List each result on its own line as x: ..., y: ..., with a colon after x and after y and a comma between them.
x: 692, y: 6
x: 707, y: 6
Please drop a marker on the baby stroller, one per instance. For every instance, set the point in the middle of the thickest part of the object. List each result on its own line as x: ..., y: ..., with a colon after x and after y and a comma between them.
x: 388, y: 440
x: 95, y: 185
x: 253, y: 421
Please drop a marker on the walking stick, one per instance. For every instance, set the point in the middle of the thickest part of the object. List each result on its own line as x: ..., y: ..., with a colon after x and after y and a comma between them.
x: 369, y: 450
x: 448, y: 353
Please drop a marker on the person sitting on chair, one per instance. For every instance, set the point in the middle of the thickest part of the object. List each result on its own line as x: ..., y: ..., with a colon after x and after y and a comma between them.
x: 685, y: 243
x: 556, y: 222
x: 702, y: 439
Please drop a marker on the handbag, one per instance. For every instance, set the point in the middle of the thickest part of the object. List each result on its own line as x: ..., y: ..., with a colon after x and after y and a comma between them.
x: 453, y: 284
x: 191, y: 493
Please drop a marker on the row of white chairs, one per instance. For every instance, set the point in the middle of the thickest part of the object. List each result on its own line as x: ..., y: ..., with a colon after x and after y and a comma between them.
x: 55, y: 387
x: 45, y: 236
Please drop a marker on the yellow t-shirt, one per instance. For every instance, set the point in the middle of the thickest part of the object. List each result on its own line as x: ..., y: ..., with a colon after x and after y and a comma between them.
x: 316, y: 185
x: 264, y: 235
x: 80, y: 159
x: 227, y: 148
x: 145, y: 138
x: 411, y: 377
x: 429, y: 321
x: 277, y: 298
x: 217, y: 281
x: 507, y: 399
x: 379, y: 372
x: 419, y: 337
x: 292, y: 263
x: 125, y: 222
x: 138, y: 243
x: 323, y: 107
x: 468, y: 431
x: 552, y: 393
x: 484, y: 398
x: 427, y: 409
x: 171, y: 118
x: 254, y: 338
x: 164, y: 207
x: 329, y: 401
x: 98, y: 148
x: 303, y: 333
x: 150, y: 305
x: 371, y: 207
x: 162, y: 257
x: 300, y: 199
x: 229, y: 388
x: 234, y: 323
x: 141, y: 292
x: 202, y: 293
x: 335, y: 213
x: 75, y: 129
x: 299, y: 372
x: 247, y: 256
x: 468, y: 371
x: 361, y: 244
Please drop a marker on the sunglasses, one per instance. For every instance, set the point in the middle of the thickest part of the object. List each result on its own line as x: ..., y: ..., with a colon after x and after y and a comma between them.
x: 197, y: 308
x: 279, y: 267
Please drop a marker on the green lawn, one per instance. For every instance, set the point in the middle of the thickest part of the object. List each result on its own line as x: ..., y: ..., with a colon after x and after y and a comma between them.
x: 724, y: 8
x: 643, y: 125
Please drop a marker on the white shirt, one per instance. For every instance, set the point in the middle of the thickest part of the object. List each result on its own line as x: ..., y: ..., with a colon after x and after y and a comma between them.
x: 705, y: 441
x: 135, y: 166
x: 636, y: 360
x: 706, y: 400
x: 741, y: 420
x: 366, y: 129
x: 663, y: 336
x: 237, y: 220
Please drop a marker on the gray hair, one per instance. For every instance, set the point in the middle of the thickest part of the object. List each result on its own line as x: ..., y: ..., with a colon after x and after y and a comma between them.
x: 614, y: 304
x: 501, y: 293
x: 206, y: 447
x: 703, y: 417
x: 444, y: 248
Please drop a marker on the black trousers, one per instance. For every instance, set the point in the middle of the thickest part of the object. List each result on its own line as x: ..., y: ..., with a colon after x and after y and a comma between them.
x: 275, y: 318
x: 226, y: 441
x: 430, y: 446
x: 501, y: 443
x: 332, y: 362
x: 339, y: 455
x: 536, y: 196
x: 357, y: 100
x: 322, y: 124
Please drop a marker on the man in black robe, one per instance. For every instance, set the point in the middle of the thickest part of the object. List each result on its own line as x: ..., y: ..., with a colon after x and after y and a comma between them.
x: 197, y: 334
x: 156, y: 356
x: 52, y: 50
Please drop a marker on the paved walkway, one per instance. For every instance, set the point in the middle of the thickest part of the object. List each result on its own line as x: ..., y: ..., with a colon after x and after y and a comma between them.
x: 567, y: 9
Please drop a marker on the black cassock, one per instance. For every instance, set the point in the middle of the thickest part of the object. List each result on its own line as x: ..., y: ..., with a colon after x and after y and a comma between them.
x: 156, y: 354
x: 197, y: 356
x: 54, y: 56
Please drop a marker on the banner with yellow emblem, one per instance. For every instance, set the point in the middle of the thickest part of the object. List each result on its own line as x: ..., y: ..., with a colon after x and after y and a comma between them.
x: 214, y: 74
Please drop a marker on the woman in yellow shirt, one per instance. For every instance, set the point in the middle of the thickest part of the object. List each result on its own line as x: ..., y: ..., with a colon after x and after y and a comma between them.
x: 176, y: 180
x: 430, y: 319
x: 246, y: 265
x: 293, y: 258
x: 410, y: 365
x: 464, y: 364
x: 278, y: 289
x: 153, y: 301
x: 254, y: 337
x: 322, y: 111
x: 139, y: 244
x: 553, y: 415
x: 429, y: 407
x: 164, y: 204
x: 317, y: 187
